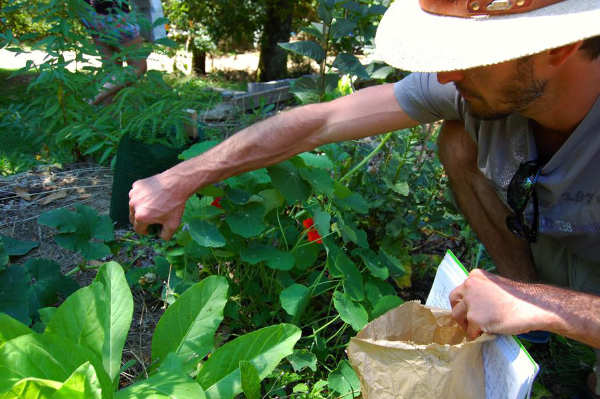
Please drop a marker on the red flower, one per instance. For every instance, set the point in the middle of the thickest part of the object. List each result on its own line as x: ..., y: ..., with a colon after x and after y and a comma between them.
x: 313, y: 235
x: 217, y: 202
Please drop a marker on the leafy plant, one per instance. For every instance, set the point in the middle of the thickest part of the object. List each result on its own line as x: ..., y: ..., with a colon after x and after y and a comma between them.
x: 24, y: 289
x: 82, y: 230
x: 346, y: 28
x: 79, y: 353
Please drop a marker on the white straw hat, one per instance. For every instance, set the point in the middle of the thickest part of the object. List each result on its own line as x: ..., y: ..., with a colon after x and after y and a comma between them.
x: 411, y: 39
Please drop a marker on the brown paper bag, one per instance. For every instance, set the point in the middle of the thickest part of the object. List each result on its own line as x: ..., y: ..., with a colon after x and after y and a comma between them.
x: 414, y: 352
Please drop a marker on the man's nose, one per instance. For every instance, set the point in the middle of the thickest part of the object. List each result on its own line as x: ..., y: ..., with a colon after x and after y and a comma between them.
x: 448, y: 77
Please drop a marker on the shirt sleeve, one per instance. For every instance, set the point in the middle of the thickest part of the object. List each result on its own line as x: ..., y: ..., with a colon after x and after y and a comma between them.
x: 425, y: 100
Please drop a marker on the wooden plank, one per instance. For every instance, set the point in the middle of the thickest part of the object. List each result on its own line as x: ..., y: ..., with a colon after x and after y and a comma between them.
x: 261, y: 98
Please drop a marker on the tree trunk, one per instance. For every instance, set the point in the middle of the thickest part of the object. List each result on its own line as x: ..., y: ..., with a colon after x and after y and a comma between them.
x: 198, y: 60
x: 277, y: 28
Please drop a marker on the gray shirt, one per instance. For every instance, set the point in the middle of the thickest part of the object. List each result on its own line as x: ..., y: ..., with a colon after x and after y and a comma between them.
x: 568, y: 187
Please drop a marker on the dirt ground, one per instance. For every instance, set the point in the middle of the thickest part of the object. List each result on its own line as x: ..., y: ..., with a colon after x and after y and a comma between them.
x: 26, y: 196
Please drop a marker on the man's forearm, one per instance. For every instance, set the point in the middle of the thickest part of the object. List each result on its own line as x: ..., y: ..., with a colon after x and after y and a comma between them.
x: 262, y: 144
x: 371, y: 111
x: 576, y: 314
x: 486, y: 302
x: 160, y: 199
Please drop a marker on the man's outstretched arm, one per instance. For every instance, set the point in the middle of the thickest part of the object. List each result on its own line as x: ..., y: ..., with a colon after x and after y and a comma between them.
x: 161, y: 199
x: 489, y: 303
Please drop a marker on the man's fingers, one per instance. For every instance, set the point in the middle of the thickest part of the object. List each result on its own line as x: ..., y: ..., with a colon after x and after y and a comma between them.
x: 456, y: 295
x: 473, y: 330
x: 166, y: 233
x: 131, y: 214
x: 459, y: 313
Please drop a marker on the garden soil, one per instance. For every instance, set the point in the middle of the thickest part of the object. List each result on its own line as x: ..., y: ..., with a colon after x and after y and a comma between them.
x: 25, y: 196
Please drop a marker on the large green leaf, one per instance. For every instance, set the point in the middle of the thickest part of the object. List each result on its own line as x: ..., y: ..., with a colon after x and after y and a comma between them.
x: 307, y: 48
x: 82, y: 384
x: 348, y: 64
x: 294, y: 299
x: 187, y: 328
x: 325, y: 11
x: 11, y: 328
x: 340, y: 265
x: 385, y: 304
x: 271, y: 199
x: 376, y: 265
x: 301, y: 359
x: 342, y: 28
x: 351, y: 232
x: 350, y: 312
x: 286, y: 178
x: 200, y: 208
x: 220, y: 376
x: 322, y: 221
x: 163, y: 385
x: 13, y: 284
x: 315, y: 29
x: 306, y: 89
x: 3, y: 257
x: 375, y: 289
x: 320, y: 161
x: 17, y: 247
x: 206, y: 234
x: 306, y: 255
x: 78, y: 229
x: 48, y: 282
x: 32, y: 388
x: 198, y: 149
x: 47, y: 357
x: 247, y: 220
x: 344, y: 380
x: 273, y: 257
x: 249, y: 181
x: 98, y: 317
x: 355, y: 202
x: 319, y: 179
x: 250, y: 380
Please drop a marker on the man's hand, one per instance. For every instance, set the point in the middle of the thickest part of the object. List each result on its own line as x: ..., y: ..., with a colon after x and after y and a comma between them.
x: 156, y: 200
x: 489, y: 303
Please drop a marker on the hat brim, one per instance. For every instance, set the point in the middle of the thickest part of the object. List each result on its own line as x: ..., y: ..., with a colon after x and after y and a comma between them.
x: 411, y: 39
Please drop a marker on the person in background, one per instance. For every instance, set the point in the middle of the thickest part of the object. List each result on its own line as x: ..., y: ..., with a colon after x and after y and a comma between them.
x: 114, y: 30
x: 517, y: 86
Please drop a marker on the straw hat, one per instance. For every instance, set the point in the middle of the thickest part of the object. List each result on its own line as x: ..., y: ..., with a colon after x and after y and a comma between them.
x: 412, y: 39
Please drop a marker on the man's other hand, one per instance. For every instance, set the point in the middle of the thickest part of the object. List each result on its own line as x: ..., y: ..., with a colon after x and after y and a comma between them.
x: 486, y: 302
x: 156, y: 201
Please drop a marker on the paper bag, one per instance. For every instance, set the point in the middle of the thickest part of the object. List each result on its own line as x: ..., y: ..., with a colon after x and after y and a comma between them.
x: 414, y: 352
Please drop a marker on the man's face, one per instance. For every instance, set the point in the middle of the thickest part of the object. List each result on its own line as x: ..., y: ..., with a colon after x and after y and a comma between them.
x: 496, y: 91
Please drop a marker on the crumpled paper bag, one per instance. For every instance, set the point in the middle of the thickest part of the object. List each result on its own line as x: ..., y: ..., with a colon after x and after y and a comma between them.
x: 415, y: 352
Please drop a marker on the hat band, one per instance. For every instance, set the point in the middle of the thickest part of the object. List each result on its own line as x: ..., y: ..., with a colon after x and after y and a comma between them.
x: 470, y: 8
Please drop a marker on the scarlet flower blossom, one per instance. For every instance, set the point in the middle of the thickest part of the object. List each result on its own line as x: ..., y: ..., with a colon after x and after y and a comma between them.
x: 217, y: 202
x: 312, y: 233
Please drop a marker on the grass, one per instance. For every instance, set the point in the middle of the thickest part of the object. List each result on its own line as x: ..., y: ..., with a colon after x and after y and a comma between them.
x: 22, y: 146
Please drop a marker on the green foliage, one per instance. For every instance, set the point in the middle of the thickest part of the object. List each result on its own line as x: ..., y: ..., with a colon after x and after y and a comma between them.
x: 192, y: 322
x: 26, y: 288
x: 56, y: 122
x: 82, y: 230
x: 221, y: 375
x: 79, y: 352
x: 345, y: 30
x: 344, y: 380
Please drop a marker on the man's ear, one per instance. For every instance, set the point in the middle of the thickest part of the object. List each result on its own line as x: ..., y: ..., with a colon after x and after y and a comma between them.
x: 559, y: 55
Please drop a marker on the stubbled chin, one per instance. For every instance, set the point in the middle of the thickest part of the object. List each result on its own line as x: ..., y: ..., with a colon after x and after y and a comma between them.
x: 484, y: 113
